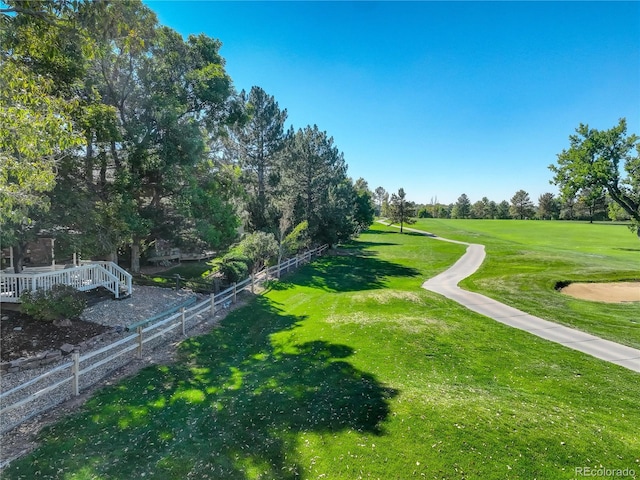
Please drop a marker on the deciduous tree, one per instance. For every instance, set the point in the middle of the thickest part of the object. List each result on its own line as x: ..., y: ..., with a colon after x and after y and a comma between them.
x: 364, y: 210
x: 597, y: 159
x: 378, y: 196
x: 40, y: 60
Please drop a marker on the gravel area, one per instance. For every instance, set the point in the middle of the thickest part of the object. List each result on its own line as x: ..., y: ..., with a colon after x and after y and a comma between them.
x: 145, y: 302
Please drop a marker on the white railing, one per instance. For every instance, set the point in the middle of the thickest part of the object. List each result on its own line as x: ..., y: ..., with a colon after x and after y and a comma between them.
x: 124, y: 277
x: 14, y: 403
x: 11, y: 284
x: 88, y: 276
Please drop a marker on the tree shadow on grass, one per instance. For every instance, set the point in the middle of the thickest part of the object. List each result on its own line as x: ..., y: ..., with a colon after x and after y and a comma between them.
x: 353, y: 273
x: 234, y: 408
x: 379, y: 232
x: 361, y: 245
x: 419, y: 234
x: 352, y: 267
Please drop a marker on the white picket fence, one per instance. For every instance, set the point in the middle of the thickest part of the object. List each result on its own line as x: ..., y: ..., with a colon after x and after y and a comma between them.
x: 68, y: 379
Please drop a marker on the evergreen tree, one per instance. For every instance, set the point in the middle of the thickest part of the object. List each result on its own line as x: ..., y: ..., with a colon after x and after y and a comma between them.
x: 521, y: 205
x: 258, y: 140
x: 548, y: 207
x: 401, y: 210
x: 462, y: 208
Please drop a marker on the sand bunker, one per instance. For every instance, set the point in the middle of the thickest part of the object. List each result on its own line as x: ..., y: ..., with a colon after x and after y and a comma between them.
x: 614, y: 292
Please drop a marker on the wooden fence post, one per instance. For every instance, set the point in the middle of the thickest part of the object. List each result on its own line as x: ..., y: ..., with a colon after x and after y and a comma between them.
x: 235, y: 293
x: 253, y: 280
x: 139, y: 342
x: 279, y: 270
x: 213, y: 304
x: 75, y: 370
x: 182, y: 319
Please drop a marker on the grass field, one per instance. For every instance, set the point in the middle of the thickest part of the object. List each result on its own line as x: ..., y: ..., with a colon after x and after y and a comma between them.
x: 526, y: 259
x: 346, y: 370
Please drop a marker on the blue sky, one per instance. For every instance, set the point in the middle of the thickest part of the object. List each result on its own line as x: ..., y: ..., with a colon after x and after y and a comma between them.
x: 440, y: 98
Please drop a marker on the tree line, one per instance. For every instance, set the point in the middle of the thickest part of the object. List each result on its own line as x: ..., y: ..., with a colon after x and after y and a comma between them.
x: 585, y: 206
x: 116, y: 132
x: 598, y: 177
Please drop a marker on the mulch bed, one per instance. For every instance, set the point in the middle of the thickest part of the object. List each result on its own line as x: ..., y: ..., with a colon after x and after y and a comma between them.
x: 24, y: 336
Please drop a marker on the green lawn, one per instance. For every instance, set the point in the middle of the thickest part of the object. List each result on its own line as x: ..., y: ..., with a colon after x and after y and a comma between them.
x: 348, y: 369
x: 526, y: 259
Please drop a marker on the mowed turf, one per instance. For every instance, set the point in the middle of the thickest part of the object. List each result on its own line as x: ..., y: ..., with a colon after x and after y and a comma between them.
x: 349, y: 369
x: 527, y: 259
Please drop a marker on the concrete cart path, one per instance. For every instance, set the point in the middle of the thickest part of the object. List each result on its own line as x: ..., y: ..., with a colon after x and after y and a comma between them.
x: 446, y: 284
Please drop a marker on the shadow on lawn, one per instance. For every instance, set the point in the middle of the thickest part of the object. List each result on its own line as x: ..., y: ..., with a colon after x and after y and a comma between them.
x: 353, y: 273
x: 234, y: 408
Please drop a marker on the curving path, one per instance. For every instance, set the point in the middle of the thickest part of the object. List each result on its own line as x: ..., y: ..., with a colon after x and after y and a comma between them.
x: 446, y: 284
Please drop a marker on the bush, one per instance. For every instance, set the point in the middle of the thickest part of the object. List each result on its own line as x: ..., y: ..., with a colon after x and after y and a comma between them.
x: 60, y: 302
x: 234, y: 266
x: 259, y: 248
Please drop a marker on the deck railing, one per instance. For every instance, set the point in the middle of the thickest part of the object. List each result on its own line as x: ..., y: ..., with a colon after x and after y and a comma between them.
x: 124, y: 277
x: 88, y: 276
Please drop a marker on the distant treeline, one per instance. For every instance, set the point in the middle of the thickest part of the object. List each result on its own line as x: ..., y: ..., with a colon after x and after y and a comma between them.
x: 587, y: 206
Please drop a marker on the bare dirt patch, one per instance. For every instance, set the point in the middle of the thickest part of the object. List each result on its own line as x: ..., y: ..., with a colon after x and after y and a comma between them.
x: 614, y: 292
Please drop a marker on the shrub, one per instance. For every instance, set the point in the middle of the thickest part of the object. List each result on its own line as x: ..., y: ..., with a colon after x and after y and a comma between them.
x: 60, y: 302
x: 259, y: 248
x: 234, y: 266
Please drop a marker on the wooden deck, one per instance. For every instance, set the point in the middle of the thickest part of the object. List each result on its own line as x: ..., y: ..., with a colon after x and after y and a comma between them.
x: 87, y: 276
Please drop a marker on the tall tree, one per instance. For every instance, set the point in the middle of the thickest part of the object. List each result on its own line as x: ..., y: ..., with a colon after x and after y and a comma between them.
x: 40, y: 62
x: 596, y: 159
x: 313, y: 166
x: 165, y: 91
x: 259, y: 138
x: 402, y: 211
x: 434, y: 207
x: 462, y: 208
x: 502, y: 210
x: 480, y: 209
x: 592, y: 201
x: 384, y: 210
x: 364, y: 210
x: 521, y: 205
x: 548, y: 207
x: 378, y: 196
x: 567, y: 207
x: 337, y: 220
x: 492, y: 209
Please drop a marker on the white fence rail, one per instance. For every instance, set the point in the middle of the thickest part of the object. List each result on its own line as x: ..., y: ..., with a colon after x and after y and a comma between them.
x: 44, y: 391
x: 88, y: 276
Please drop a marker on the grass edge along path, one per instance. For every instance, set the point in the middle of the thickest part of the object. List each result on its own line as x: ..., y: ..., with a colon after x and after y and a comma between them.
x: 446, y: 283
x: 349, y: 369
x: 526, y: 262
